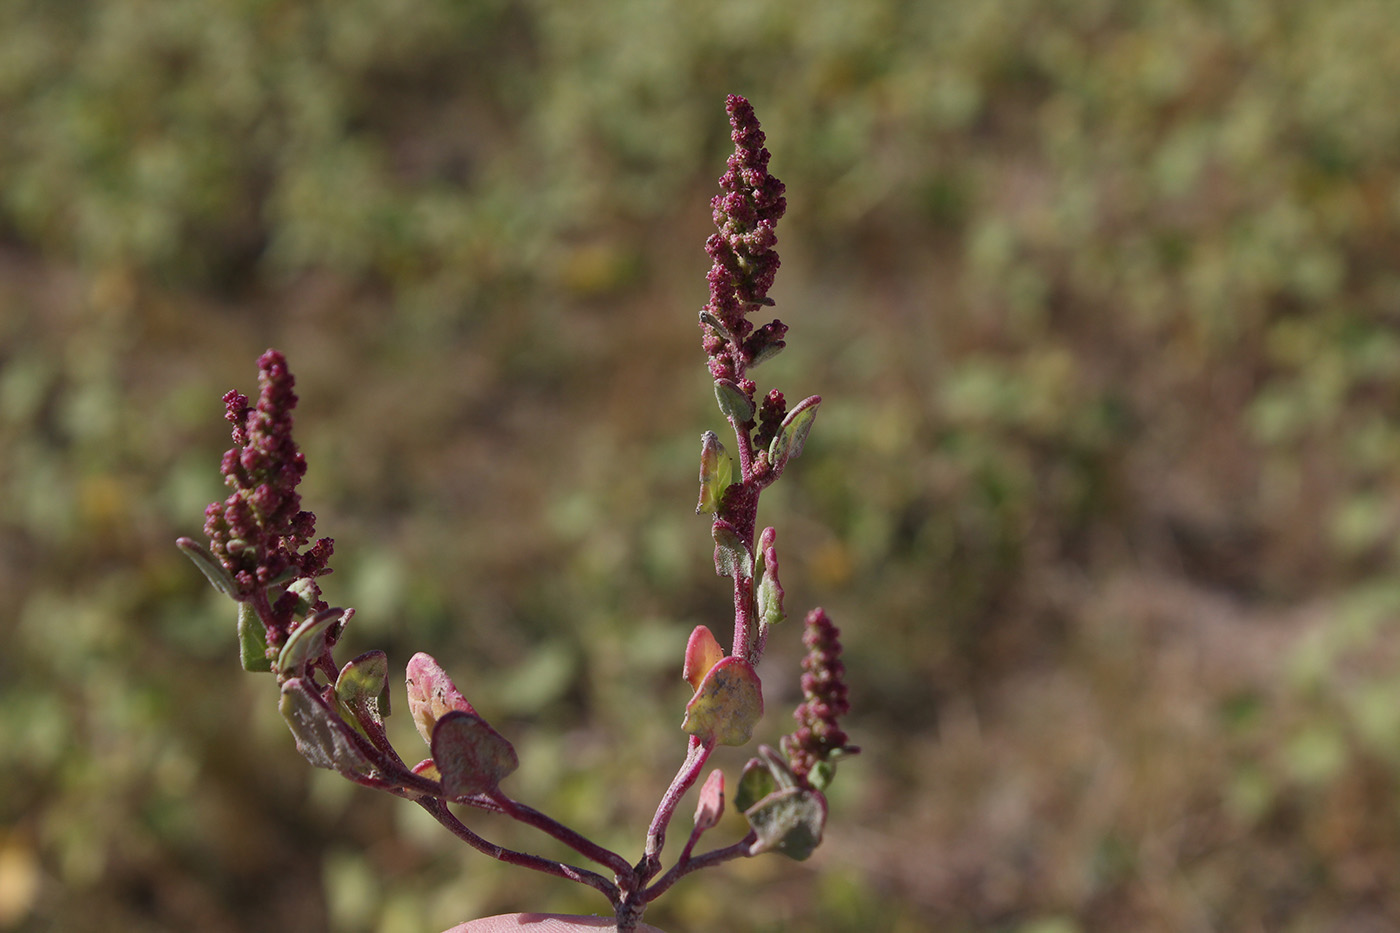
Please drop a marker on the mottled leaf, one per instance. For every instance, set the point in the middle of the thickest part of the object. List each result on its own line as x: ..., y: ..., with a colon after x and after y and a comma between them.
x: 727, y: 704
x: 322, y: 737
x: 732, y: 558
x: 789, y: 821
x: 472, y: 757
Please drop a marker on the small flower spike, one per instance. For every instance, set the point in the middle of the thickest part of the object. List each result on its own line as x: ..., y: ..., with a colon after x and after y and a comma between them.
x: 819, y: 739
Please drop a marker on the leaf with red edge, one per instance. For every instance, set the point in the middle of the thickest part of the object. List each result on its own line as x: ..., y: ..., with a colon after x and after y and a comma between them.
x: 767, y: 588
x: 308, y: 641
x: 472, y: 757
x: 727, y: 704
x: 431, y: 694
x: 702, y: 652
x: 363, y: 687
x: 787, y: 444
x: 711, y: 804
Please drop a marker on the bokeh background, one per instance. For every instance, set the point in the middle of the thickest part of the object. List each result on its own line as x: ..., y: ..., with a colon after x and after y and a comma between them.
x: 1103, y: 299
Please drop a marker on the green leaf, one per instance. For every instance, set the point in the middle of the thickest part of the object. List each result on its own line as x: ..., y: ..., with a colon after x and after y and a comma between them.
x: 363, y: 686
x: 472, y: 757
x: 755, y: 783
x: 216, y: 573
x: 308, y: 641
x: 716, y: 471
x: 792, y: 434
x: 733, y: 403
x: 431, y: 694
x: 727, y: 704
x: 789, y: 821
x: 252, y: 640
x: 732, y: 558
x: 322, y: 737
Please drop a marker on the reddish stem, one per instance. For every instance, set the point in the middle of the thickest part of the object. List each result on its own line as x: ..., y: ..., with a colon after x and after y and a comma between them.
x: 697, y: 752
x: 574, y: 840
x: 685, y: 866
x: 443, y: 815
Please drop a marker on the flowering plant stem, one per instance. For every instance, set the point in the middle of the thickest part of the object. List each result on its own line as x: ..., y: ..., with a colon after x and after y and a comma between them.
x: 261, y: 555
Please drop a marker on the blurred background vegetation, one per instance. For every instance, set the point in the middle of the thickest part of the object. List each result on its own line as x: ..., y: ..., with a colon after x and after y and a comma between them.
x: 1103, y: 299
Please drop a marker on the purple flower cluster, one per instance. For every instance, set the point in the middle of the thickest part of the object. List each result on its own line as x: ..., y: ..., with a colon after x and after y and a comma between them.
x: 257, y: 533
x: 742, y: 251
x: 819, y: 736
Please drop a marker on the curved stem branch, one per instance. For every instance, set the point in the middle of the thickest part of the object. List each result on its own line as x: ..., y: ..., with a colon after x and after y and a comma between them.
x: 685, y: 866
x: 443, y: 815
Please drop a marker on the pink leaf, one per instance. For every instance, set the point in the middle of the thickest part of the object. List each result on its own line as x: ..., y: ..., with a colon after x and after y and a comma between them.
x: 431, y: 694
x: 702, y: 652
x: 711, y: 805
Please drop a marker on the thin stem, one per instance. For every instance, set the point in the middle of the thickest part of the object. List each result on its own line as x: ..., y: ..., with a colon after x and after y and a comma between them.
x: 443, y: 815
x: 697, y: 752
x: 574, y: 840
x: 685, y: 866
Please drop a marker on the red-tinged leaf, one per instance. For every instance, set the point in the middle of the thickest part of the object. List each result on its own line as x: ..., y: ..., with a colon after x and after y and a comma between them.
x: 472, y: 757
x: 727, y: 704
x: 363, y: 686
x: 431, y: 694
x: 792, y: 435
x: 789, y: 821
x: 711, y: 805
x: 308, y: 641
x: 323, y: 738
x: 768, y: 589
x: 427, y: 768
x: 702, y: 652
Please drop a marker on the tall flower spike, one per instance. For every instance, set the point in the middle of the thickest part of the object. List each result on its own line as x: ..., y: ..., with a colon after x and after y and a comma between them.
x: 746, y: 215
x: 257, y: 533
x: 819, y: 739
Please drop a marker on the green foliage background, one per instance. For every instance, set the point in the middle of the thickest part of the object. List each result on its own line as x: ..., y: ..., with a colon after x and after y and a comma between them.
x: 1103, y: 300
